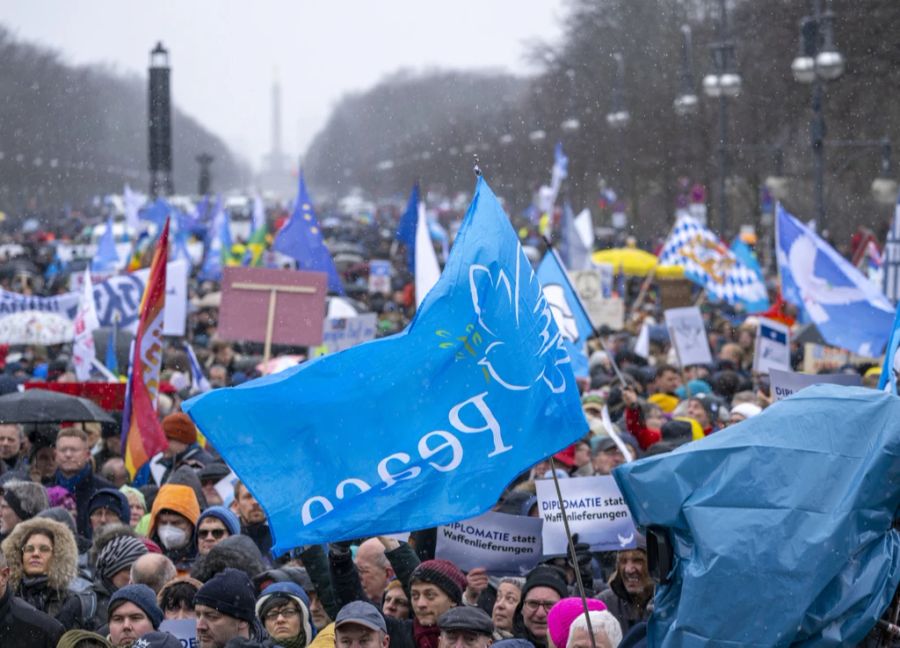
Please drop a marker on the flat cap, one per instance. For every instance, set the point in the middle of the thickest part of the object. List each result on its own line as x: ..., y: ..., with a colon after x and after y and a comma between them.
x: 469, y: 618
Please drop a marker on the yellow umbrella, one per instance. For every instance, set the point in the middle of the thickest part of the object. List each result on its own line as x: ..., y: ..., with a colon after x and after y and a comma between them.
x: 636, y: 262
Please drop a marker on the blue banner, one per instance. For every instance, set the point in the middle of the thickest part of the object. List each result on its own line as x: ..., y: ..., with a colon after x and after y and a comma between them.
x: 574, y: 324
x: 419, y: 429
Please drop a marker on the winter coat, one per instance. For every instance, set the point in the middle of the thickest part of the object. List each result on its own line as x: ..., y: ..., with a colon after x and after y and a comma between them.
x: 622, y: 605
x: 52, y: 592
x: 180, y: 499
x: 84, y: 489
x: 21, y: 626
x: 347, y: 588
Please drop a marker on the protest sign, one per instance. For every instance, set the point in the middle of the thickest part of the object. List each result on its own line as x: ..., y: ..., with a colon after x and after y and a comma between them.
x: 118, y: 299
x: 688, y: 334
x: 225, y: 488
x: 773, y: 347
x: 505, y: 545
x: 820, y: 358
x: 379, y: 277
x: 184, y: 630
x: 589, y: 284
x: 25, y: 319
x: 595, y: 509
x: 675, y: 293
x: 786, y: 383
x: 274, y: 306
x: 344, y: 332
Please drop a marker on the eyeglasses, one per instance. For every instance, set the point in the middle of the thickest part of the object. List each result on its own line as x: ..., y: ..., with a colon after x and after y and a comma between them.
x: 287, y: 613
x: 213, y: 533
x: 534, y: 605
x: 44, y: 549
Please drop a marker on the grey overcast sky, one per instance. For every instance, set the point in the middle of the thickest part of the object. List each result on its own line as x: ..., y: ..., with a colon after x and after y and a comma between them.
x: 225, y: 53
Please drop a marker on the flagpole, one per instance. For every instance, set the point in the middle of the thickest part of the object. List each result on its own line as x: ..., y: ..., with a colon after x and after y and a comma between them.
x: 572, y: 555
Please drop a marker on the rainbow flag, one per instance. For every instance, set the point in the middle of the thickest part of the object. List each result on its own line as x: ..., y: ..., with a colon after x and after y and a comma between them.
x: 142, y: 433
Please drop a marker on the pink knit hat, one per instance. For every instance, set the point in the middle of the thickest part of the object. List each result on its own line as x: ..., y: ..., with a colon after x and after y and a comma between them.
x: 561, y: 616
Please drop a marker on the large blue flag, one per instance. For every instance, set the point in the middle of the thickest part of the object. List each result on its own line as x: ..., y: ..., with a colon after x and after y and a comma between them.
x: 568, y: 311
x: 794, y: 507
x: 848, y: 310
x: 218, y: 245
x: 107, y: 258
x: 301, y: 239
x: 156, y: 212
x: 709, y: 263
x: 406, y: 228
x: 418, y: 429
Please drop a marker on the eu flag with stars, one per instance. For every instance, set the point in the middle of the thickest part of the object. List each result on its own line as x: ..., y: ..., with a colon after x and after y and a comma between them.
x: 415, y: 430
x: 301, y: 239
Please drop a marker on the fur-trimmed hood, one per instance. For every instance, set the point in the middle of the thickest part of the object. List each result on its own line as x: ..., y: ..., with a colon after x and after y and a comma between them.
x: 63, y: 561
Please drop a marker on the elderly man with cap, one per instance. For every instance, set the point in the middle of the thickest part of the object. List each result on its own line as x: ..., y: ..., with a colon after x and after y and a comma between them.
x: 108, y: 506
x: 360, y: 625
x: 20, y: 501
x: 181, y: 433
x: 630, y: 589
x: 544, y: 587
x: 132, y: 612
x: 225, y: 608
x: 466, y: 627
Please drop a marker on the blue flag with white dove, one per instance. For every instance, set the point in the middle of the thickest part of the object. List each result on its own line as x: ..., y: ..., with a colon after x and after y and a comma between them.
x: 573, y: 323
x: 301, y: 239
x: 848, y: 310
x: 419, y: 429
x: 709, y: 263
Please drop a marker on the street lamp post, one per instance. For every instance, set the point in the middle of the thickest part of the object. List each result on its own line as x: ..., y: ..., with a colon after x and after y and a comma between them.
x: 160, y: 123
x: 686, y: 102
x: 204, y: 180
x: 723, y: 84
x: 818, y: 61
x: 618, y: 119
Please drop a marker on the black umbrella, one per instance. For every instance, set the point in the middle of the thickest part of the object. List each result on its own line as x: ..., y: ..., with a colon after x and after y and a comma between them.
x: 42, y: 406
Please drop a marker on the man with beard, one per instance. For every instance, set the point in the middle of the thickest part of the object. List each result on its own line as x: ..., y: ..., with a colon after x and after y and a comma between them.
x: 253, y: 520
x: 631, y: 588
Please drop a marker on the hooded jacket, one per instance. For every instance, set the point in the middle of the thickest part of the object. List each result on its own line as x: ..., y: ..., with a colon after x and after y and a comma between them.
x: 180, y: 499
x: 49, y: 593
x: 628, y: 610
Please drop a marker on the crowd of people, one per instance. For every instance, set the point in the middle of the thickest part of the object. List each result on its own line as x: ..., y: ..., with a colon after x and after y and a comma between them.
x: 91, y: 557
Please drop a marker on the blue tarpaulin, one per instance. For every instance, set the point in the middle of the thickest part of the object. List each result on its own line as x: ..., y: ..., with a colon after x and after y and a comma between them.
x: 781, y: 525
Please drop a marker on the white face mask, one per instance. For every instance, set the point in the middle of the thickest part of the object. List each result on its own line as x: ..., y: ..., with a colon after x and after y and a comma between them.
x: 171, y: 536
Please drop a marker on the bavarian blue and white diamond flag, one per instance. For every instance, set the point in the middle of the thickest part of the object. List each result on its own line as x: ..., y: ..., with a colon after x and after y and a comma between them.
x: 848, y: 309
x: 711, y: 264
x: 423, y: 428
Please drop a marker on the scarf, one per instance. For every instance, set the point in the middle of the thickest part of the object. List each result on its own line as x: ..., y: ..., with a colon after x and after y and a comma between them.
x: 71, y: 483
x: 294, y: 642
x: 426, y: 636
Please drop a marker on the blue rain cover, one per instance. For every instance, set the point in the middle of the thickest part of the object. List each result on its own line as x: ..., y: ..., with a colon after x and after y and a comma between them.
x: 781, y: 524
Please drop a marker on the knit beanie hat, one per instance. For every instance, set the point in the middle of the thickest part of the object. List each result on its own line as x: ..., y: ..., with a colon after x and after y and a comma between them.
x: 180, y: 427
x: 142, y: 596
x: 112, y: 499
x: 59, y: 496
x: 225, y: 516
x: 26, y: 499
x: 231, y: 593
x: 546, y: 576
x: 118, y: 554
x: 279, y: 593
x: 442, y: 574
x: 561, y: 616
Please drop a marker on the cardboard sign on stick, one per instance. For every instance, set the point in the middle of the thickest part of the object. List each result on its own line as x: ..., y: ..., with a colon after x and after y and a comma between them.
x: 273, y: 306
x: 688, y: 334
